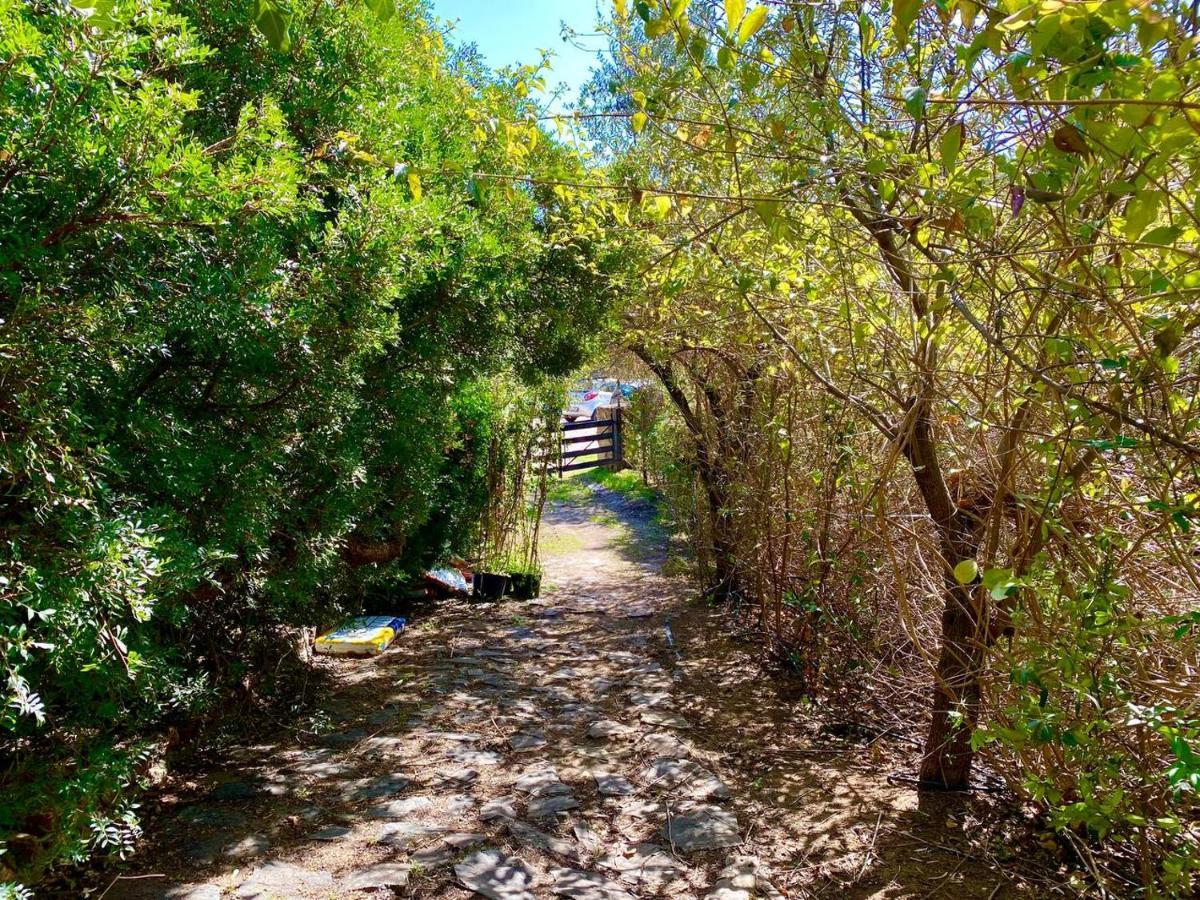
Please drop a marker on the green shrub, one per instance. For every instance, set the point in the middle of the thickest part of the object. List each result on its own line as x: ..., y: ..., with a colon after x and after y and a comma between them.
x: 252, y: 362
x: 1085, y: 729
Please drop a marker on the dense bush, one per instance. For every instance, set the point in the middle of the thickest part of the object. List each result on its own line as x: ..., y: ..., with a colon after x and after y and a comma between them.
x: 258, y: 324
x: 920, y: 286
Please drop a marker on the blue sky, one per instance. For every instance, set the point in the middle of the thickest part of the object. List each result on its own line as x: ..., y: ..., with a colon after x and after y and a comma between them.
x: 512, y: 31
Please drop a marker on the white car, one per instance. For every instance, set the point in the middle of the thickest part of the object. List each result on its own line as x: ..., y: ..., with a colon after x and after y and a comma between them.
x: 585, y: 407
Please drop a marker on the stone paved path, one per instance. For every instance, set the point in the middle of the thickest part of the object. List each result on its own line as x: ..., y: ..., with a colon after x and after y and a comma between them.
x: 558, y: 748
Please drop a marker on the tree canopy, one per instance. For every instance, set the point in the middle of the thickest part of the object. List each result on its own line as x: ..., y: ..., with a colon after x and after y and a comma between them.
x: 917, y: 281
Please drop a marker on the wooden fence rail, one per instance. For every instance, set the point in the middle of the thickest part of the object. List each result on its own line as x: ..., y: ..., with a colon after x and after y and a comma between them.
x: 585, y: 445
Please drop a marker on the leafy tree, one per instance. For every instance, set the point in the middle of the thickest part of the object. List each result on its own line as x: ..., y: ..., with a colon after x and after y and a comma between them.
x: 258, y: 326
x: 970, y: 230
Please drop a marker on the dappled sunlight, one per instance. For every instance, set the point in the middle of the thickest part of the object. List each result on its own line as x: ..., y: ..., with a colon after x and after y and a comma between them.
x: 559, y: 744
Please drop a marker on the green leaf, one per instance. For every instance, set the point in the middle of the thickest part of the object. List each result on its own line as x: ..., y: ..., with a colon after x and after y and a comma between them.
x: 914, y: 100
x: 904, y: 13
x: 950, y: 145
x: 767, y: 210
x: 1141, y: 212
x: 751, y: 24
x: 99, y: 12
x: 678, y: 9
x: 1000, y: 583
x: 274, y: 20
x: 658, y: 27
x: 1163, y: 235
x: 383, y: 9
x: 966, y: 571
x: 734, y: 10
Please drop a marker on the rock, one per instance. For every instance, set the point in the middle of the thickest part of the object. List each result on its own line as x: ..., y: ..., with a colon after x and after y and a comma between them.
x: 459, y: 737
x: 444, y: 851
x: 461, y: 777
x: 458, y: 804
x: 586, y: 886
x: 462, y: 839
x: 248, y: 847
x: 375, y: 788
x: 320, y: 764
x: 193, y: 892
x: 527, y: 740
x: 499, y: 808
x: 472, y: 758
x: 276, y: 880
x: 744, y: 879
x: 702, y: 828
x: 666, y: 743
x: 607, y: 728
x: 645, y: 864
x: 539, y: 781
x: 398, y: 809
x: 614, y: 785
x: 586, y: 836
x: 649, y: 698
x: 401, y: 834
x: 548, y: 807
x: 330, y: 833
x: 433, y: 857
x: 383, y: 746
x: 496, y: 876
x: 664, y: 718
x: 639, y: 808
x: 698, y: 782
x: 495, y: 679
x: 526, y: 834
x: 342, y: 738
x: 381, y: 875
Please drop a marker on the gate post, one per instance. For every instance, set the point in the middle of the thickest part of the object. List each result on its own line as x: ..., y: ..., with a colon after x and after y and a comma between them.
x: 618, y: 447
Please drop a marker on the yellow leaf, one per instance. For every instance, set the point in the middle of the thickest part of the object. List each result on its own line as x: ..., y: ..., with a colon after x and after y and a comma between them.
x: 622, y: 10
x: 639, y: 122
x: 966, y: 571
x: 966, y: 12
x: 734, y: 10
x: 753, y: 22
x: 414, y: 185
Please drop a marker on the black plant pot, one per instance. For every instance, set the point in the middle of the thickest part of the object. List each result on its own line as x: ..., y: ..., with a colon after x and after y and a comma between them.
x: 490, y: 585
x: 524, y: 586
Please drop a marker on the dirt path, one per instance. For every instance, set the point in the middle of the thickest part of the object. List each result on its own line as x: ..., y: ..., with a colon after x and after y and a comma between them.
x: 604, y: 742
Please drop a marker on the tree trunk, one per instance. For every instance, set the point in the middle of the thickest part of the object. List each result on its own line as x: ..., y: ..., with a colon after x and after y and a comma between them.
x: 725, y: 576
x: 946, y: 764
x: 947, y: 760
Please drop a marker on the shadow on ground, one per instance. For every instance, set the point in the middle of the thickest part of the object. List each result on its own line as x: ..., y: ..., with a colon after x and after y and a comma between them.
x: 606, y: 741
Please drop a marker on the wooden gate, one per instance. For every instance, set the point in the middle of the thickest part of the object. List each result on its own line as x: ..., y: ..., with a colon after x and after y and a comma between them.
x: 588, y: 445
